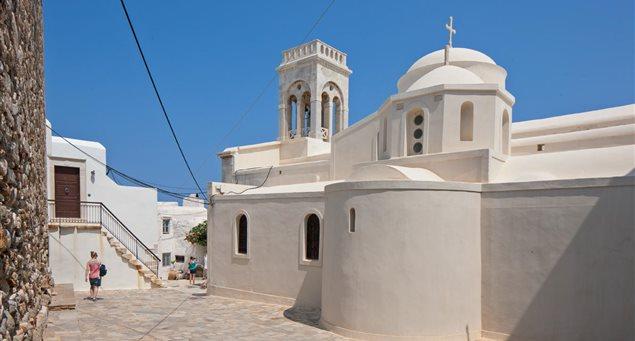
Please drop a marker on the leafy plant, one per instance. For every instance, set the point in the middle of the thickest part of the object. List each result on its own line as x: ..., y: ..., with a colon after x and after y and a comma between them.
x: 198, y: 234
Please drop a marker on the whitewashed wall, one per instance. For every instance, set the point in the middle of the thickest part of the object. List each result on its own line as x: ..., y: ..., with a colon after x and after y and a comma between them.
x: 69, y: 250
x: 273, y: 272
x: 559, y: 260
x: 134, y: 206
x: 182, y: 220
x: 412, y: 266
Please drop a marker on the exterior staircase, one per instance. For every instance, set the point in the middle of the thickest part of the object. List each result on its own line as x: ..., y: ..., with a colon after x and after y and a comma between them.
x: 124, y: 253
x: 127, y: 245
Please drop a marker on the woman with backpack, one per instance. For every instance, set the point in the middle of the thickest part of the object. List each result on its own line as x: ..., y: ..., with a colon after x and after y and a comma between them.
x: 93, y: 275
x: 191, y: 267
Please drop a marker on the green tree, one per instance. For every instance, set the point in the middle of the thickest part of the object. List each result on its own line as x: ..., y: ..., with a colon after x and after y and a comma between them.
x: 198, y: 234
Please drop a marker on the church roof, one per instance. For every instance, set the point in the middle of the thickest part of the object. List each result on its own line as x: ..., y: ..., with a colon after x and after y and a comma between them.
x: 425, y: 71
x: 457, y: 54
x: 447, y: 74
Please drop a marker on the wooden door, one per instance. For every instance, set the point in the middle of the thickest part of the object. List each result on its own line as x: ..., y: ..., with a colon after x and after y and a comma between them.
x: 67, y: 197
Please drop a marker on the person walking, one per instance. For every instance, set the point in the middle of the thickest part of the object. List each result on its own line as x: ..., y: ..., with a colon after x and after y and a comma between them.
x: 192, y: 266
x: 92, y: 275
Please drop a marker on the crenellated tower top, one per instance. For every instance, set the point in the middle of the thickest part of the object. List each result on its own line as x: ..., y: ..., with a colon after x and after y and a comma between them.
x: 314, y: 49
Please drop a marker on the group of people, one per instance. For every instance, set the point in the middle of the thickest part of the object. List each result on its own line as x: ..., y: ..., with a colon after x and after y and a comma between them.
x: 95, y: 270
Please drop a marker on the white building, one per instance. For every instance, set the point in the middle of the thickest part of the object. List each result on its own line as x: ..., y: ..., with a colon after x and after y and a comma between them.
x: 174, y: 223
x: 437, y: 216
x: 90, y: 212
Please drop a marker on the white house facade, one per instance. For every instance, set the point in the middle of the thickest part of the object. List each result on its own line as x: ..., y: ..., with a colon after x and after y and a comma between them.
x: 88, y: 211
x: 174, y: 222
x: 435, y: 217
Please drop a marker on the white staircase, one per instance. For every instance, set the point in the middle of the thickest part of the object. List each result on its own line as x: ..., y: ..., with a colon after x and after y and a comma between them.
x: 125, y: 254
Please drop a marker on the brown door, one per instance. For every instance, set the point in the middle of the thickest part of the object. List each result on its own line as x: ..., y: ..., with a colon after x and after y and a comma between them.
x: 67, y: 192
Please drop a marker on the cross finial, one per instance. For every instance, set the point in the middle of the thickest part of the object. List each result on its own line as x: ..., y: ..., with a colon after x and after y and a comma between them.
x: 451, y: 30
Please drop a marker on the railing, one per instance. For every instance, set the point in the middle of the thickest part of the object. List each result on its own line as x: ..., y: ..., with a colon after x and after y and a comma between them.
x: 324, y: 133
x: 306, y: 131
x: 98, y: 213
x: 315, y: 47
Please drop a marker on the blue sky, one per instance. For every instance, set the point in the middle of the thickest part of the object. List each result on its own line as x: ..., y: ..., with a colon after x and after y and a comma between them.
x: 212, y: 58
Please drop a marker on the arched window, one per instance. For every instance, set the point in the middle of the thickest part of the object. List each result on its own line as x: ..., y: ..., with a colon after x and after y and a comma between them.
x: 415, y: 127
x: 505, y: 132
x: 337, y: 114
x: 467, y: 121
x: 312, y: 236
x: 385, y: 136
x: 351, y: 220
x: 241, y: 234
x: 306, y: 113
x: 292, y: 113
x: 326, y: 111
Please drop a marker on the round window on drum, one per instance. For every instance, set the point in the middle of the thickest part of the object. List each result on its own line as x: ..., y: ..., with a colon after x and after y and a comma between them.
x: 418, y: 147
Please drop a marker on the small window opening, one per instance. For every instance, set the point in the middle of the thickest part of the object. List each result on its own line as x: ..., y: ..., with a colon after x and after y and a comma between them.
x: 351, y: 220
x: 166, y: 258
x: 179, y: 259
x: 505, y: 133
x: 540, y: 147
x: 242, y: 235
x: 385, y: 136
x: 312, y: 245
x: 166, y: 225
x: 467, y: 121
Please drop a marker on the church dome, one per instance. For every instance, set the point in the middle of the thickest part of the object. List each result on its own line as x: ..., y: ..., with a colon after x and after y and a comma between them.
x: 473, y: 61
x: 446, y: 74
x: 457, y: 54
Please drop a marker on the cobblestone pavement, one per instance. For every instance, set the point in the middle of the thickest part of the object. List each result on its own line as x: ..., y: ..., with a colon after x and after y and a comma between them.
x: 180, y: 313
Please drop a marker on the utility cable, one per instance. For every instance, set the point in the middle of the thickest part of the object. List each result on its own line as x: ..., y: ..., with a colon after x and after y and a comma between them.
x: 156, y: 91
x: 134, y: 180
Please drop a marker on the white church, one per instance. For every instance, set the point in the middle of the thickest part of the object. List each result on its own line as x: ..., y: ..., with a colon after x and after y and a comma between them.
x: 437, y: 217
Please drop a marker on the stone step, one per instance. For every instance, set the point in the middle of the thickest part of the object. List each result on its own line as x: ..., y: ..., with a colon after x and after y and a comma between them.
x: 63, y: 297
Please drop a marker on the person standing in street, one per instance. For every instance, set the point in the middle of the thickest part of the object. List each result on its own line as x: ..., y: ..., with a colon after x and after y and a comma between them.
x: 93, y: 275
x: 191, y: 267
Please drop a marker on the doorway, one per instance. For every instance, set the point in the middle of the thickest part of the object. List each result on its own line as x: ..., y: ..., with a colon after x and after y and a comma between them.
x: 67, y: 196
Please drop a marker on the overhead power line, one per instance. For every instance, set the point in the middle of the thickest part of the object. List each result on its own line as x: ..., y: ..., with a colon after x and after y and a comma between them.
x: 156, y: 91
x: 253, y: 103
x: 129, y: 178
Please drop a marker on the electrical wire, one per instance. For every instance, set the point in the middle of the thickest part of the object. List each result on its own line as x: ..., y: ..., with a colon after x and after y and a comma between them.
x: 252, y: 188
x: 131, y: 179
x: 156, y: 91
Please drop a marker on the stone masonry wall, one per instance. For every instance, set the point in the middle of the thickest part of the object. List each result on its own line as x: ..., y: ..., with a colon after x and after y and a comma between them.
x: 24, y: 278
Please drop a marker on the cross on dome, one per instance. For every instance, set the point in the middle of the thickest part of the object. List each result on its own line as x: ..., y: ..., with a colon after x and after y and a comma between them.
x: 451, y: 30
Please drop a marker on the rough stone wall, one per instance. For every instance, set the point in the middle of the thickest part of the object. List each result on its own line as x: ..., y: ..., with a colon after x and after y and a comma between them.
x: 24, y: 278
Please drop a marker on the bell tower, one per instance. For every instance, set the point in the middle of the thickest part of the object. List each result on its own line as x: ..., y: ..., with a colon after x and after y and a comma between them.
x: 313, y: 88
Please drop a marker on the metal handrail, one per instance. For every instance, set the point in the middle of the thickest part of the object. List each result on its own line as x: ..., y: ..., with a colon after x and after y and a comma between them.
x: 128, y: 239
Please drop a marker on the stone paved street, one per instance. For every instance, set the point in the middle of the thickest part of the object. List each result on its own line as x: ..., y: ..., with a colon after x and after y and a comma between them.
x: 180, y: 313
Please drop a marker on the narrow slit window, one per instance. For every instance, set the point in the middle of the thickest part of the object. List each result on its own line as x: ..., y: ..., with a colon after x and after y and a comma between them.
x: 467, y: 121
x: 242, y: 235
x: 166, y: 225
x: 351, y: 220
x: 505, y: 133
x: 312, y: 233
